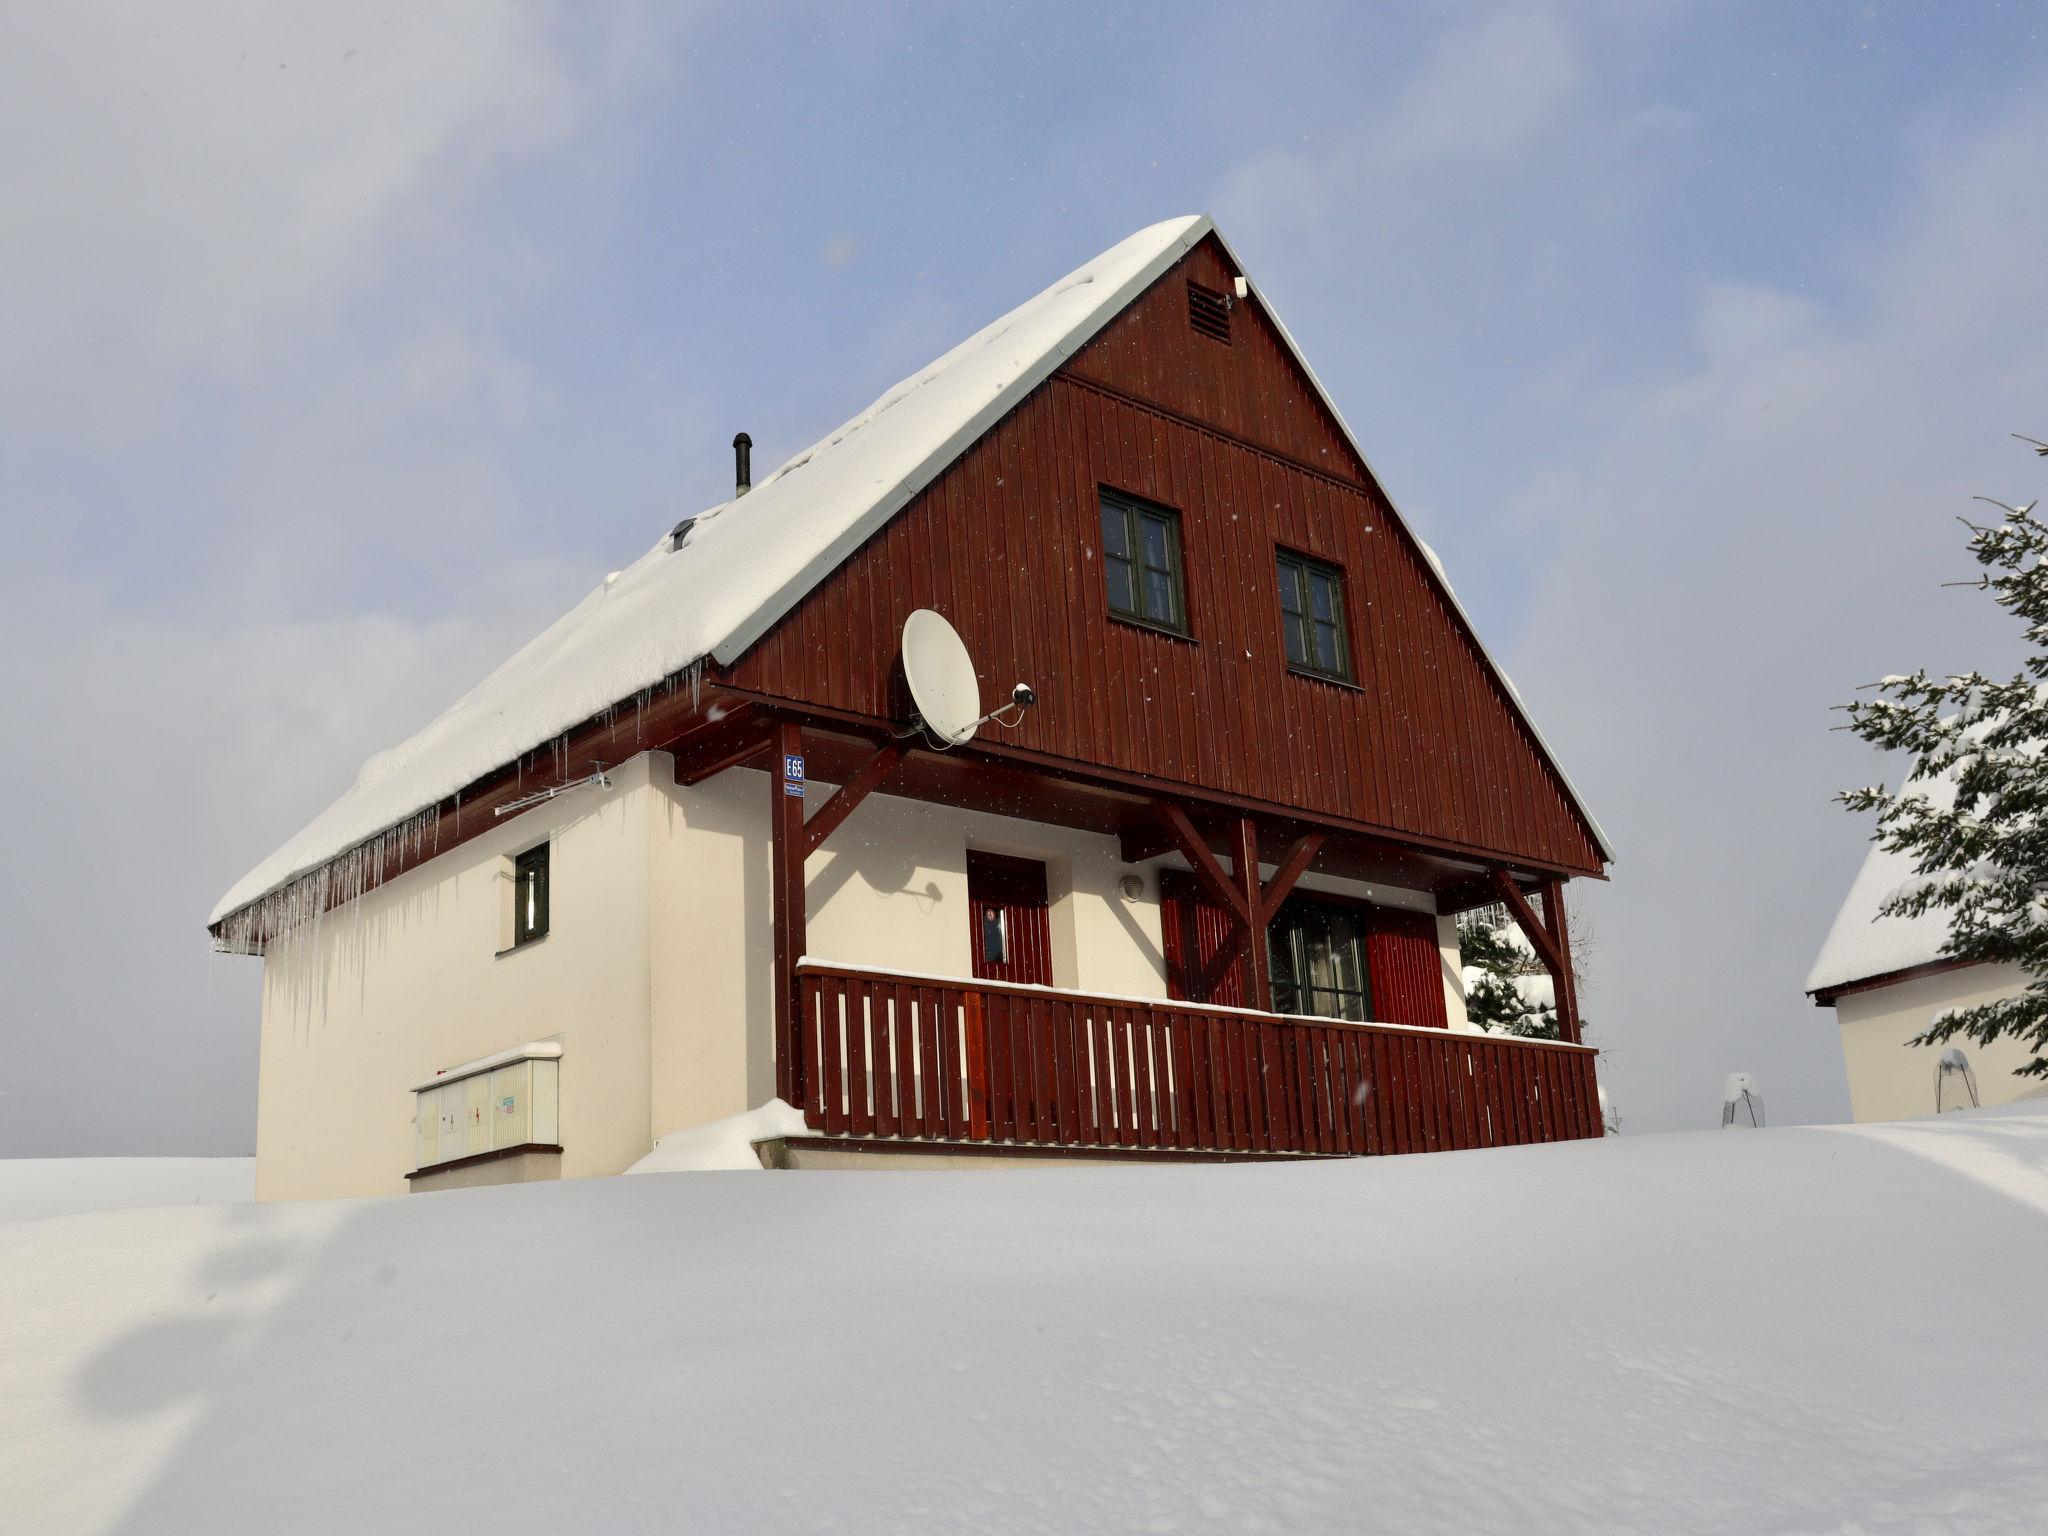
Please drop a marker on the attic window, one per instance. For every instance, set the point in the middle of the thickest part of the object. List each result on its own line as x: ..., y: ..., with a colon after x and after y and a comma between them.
x: 1209, y: 312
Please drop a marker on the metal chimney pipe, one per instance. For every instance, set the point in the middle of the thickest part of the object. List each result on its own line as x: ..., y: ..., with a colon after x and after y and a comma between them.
x: 743, y: 464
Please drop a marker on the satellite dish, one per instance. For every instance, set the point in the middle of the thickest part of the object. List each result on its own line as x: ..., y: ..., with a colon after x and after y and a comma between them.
x: 941, y: 678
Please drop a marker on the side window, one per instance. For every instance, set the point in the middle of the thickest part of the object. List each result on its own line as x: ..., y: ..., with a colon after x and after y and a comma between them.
x: 1312, y: 617
x: 530, y: 896
x: 1141, y: 561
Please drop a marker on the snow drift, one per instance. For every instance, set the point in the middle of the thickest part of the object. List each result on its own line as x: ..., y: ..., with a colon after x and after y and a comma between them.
x: 1813, y: 1329
x: 34, y: 1187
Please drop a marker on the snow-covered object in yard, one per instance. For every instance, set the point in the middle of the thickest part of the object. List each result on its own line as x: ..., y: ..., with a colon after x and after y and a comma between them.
x: 1742, y: 1102
x: 723, y: 1144
x: 1955, y: 1085
x: 35, y: 1187
x: 742, y: 566
x: 1862, y: 945
x: 1305, y: 1349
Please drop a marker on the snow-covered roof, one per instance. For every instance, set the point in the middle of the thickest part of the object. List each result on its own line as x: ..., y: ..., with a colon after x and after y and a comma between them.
x: 1861, y: 944
x: 743, y: 565
x: 747, y: 562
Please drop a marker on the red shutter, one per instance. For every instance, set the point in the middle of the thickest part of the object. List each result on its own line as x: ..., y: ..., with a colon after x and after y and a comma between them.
x: 1196, y: 933
x: 1407, y: 968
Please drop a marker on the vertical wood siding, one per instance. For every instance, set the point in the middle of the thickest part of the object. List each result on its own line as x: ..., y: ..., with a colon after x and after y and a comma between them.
x: 1005, y: 545
x: 1406, y: 967
x: 1017, y: 886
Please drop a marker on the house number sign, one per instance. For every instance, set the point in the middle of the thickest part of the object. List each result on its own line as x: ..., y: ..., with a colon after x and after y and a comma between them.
x: 793, y: 775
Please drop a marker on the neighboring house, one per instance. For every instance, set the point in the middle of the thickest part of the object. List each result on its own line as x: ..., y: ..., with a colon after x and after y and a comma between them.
x: 1886, y: 979
x: 1199, y: 900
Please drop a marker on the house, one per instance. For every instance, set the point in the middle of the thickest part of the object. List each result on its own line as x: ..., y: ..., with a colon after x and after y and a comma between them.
x: 1887, y: 980
x: 687, y: 851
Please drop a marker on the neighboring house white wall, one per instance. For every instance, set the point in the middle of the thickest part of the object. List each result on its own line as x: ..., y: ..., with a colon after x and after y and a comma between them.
x: 654, y: 976
x: 1890, y: 1079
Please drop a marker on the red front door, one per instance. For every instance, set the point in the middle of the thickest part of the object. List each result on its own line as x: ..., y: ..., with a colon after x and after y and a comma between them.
x: 1008, y: 923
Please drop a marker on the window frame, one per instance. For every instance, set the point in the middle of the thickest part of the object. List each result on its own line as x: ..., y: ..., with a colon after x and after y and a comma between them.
x: 1281, y: 949
x: 1135, y: 510
x: 1300, y: 568
x: 534, y: 866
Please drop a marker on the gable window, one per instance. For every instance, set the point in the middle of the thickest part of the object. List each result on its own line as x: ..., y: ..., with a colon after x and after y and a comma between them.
x: 1312, y: 617
x: 1141, y: 562
x: 530, y: 896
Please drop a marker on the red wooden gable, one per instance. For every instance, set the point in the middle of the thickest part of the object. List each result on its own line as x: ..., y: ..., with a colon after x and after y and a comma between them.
x: 1426, y: 745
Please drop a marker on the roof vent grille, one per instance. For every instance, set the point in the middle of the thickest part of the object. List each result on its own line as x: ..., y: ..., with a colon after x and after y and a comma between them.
x: 1209, y: 312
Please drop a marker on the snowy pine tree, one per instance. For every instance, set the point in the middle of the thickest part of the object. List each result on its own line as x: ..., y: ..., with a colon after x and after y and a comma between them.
x: 1495, y: 960
x: 1983, y: 858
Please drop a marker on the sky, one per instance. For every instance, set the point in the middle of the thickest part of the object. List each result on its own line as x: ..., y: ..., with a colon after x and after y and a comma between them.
x: 345, y: 348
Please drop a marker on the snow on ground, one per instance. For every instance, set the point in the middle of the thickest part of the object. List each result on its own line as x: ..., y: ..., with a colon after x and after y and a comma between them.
x: 724, y: 1144
x: 1814, y: 1329
x: 34, y: 1187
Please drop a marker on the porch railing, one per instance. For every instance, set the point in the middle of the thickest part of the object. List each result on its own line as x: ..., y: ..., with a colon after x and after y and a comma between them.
x: 915, y: 1057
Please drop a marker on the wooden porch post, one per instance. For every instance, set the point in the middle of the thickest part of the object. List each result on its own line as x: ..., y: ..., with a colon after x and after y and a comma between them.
x: 1258, y: 959
x: 1563, y: 978
x: 1547, y: 935
x: 786, y: 887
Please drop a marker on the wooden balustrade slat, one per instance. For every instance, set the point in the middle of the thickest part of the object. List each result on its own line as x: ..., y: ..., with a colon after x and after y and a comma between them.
x: 1157, y: 1115
x: 1331, y: 1090
x: 811, y: 1003
x: 1185, y: 1087
x: 1554, y: 1104
x: 1281, y: 1122
x: 1463, y: 1074
x: 1399, y: 1085
x: 830, y: 1025
x: 1067, y: 1052
x: 1418, y: 1094
x: 1300, y: 1064
x: 1102, y: 1072
x: 1325, y: 1082
x: 1358, y: 1097
x: 1149, y: 1119
x: 1257, y: 1072
x: 883, y: 1060
x: 951, y: 1030
x: 1440, y: 1056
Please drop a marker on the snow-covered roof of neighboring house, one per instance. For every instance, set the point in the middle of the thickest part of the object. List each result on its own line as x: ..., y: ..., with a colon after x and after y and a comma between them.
x: 747, y: 562
x: 1861, y: 945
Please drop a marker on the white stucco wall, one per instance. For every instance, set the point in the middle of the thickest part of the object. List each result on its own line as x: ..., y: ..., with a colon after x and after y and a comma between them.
x: 409, y: 980
x: 1890, y: 1079
x: 655, y: 973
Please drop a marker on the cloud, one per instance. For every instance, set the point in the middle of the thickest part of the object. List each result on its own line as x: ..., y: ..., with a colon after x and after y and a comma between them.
x: 153, y: 760
x: 1484, y: 89
x: 1743, y: 544
x: 259, y: 267
x: 1483, y: 95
